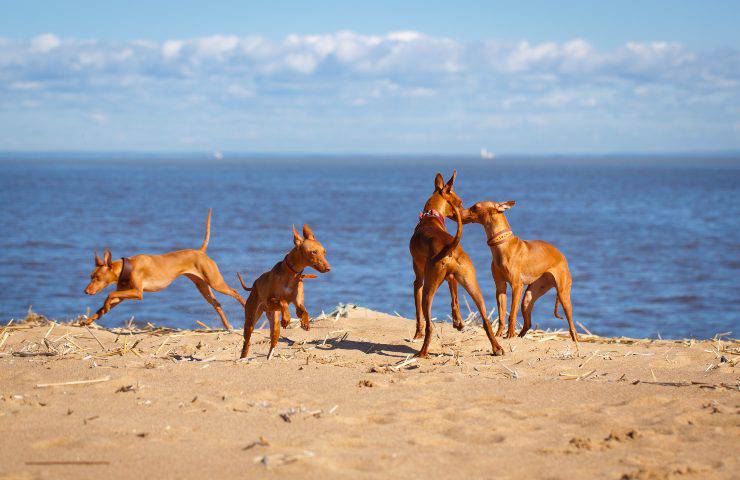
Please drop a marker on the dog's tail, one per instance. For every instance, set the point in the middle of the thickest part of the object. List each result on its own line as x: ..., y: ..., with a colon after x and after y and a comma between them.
x: 208, y: 232
x: 557, y: 301
x: 447, y: 249
x: 244, y: 285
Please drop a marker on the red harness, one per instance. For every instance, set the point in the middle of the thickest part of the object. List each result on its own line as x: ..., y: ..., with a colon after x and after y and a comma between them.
x: 434, y: 214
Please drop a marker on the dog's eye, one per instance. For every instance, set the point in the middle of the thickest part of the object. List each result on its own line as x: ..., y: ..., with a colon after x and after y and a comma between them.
x: 314, y: 252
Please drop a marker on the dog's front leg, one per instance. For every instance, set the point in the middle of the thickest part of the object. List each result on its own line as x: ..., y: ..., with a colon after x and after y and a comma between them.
x: 302, y: 313
x: 113, y: 299
x: 516, y: 298
x: 300, y: 309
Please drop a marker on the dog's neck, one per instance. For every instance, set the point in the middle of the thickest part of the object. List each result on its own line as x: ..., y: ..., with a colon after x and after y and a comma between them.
x: 117, y: 267
x: 498, y: 232
x: 294, y: 262
x: 438, y: 203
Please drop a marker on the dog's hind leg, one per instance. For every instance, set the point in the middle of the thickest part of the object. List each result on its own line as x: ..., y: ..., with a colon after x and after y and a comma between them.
x: 454, y: 303
x: 433, y: 278
x: 418, y: 285
x: 274, y: 331
x: 204, y: 290
x: 538, y: 288
x: 563, y: 287
x: 470, y: 284
x: 252, y: 312
x: 216, y: 281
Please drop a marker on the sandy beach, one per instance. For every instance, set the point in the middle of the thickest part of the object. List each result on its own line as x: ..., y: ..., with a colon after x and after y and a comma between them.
x: 348, y: 399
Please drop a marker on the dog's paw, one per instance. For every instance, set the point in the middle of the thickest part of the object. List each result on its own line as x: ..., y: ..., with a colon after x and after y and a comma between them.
x: 418, y: 335
x: 458, y: 326
x: 499, y: 352
x: 510, y: 334
x: 306, y: 326
x: 422, y: 355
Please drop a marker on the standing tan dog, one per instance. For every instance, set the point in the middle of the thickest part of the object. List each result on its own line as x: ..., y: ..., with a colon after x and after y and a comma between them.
x: 437, y: 256
x: 535, y: 263
x: 274, y: 290
x: 152, y: 273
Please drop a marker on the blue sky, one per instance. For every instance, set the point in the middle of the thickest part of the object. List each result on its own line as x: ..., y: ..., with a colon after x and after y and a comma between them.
x: 370, y: 77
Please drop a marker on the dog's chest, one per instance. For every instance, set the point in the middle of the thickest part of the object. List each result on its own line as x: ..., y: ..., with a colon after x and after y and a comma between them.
x: 286, y: 291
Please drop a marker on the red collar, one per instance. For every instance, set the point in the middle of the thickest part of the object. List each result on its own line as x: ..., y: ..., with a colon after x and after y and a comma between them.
x: 434, y: 214
x: 290, y: 268
x: 500, y: 237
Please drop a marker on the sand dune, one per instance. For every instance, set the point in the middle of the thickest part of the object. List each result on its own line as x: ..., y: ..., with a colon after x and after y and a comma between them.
x: 346, y: 399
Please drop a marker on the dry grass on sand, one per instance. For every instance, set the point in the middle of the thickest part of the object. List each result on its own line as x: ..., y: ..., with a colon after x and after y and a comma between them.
x: 348, y: 399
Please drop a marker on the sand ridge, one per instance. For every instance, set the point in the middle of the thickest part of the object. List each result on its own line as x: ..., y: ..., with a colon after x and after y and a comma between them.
x: 349, y: 399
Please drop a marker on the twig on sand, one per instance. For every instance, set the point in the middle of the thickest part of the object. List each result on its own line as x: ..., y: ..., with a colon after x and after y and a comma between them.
x: 408, y: 361
x: 93, y: 335
x: 162, y: 346
x: 74, y: 382
x: 53, y: 324
x: 583, y: 327
x: 514, y: 373
x: 202, y: 324
x: 4, y: 339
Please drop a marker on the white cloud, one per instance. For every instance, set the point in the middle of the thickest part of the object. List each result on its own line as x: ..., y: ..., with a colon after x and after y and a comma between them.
x: 404, y: 76
x: 98, y: 117
x: 45, y: 43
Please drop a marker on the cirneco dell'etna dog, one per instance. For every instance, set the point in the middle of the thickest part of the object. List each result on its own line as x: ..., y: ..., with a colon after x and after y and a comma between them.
x: 275, y: 289
x: 535, y: 263
x: 437, y: 256
x: 152, y: 273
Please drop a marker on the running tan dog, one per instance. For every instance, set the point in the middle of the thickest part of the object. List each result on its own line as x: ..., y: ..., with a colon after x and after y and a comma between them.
x: 437, y: 257
x: 152, y: 273
x: 274, y: 290
x: 535, y: 263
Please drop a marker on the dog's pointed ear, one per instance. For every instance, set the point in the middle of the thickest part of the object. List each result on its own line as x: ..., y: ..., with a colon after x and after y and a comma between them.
x: 439, y: 182
x: 307, y: 233
x: 503, y: 206
x: 297, y: 239
x: 452, y: 179
x: 107, y: 258
x: 98, y: 261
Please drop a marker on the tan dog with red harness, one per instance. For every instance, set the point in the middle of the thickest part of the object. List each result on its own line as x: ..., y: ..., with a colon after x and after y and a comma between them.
x: 534, y: 263
x: 275, y: 289
x: 152, y: 273
x: 437, y: 256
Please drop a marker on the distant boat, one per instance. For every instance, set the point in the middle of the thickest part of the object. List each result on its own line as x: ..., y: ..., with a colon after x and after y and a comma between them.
x: 217, y: 155
x: 486, y: 154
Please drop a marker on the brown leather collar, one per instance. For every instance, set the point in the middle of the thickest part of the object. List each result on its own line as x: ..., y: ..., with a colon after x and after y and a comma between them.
x: 124, y: 279
x: 500, y: 237
x: 290, y: 268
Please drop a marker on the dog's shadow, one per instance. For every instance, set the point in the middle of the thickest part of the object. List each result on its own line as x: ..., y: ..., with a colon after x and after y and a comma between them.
x: 386, y: 349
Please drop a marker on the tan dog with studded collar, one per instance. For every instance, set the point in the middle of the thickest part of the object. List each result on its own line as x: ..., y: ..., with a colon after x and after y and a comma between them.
x: 534, y: 263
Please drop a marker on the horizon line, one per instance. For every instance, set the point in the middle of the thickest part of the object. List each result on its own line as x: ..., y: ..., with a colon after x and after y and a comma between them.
x: 235, y: 154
